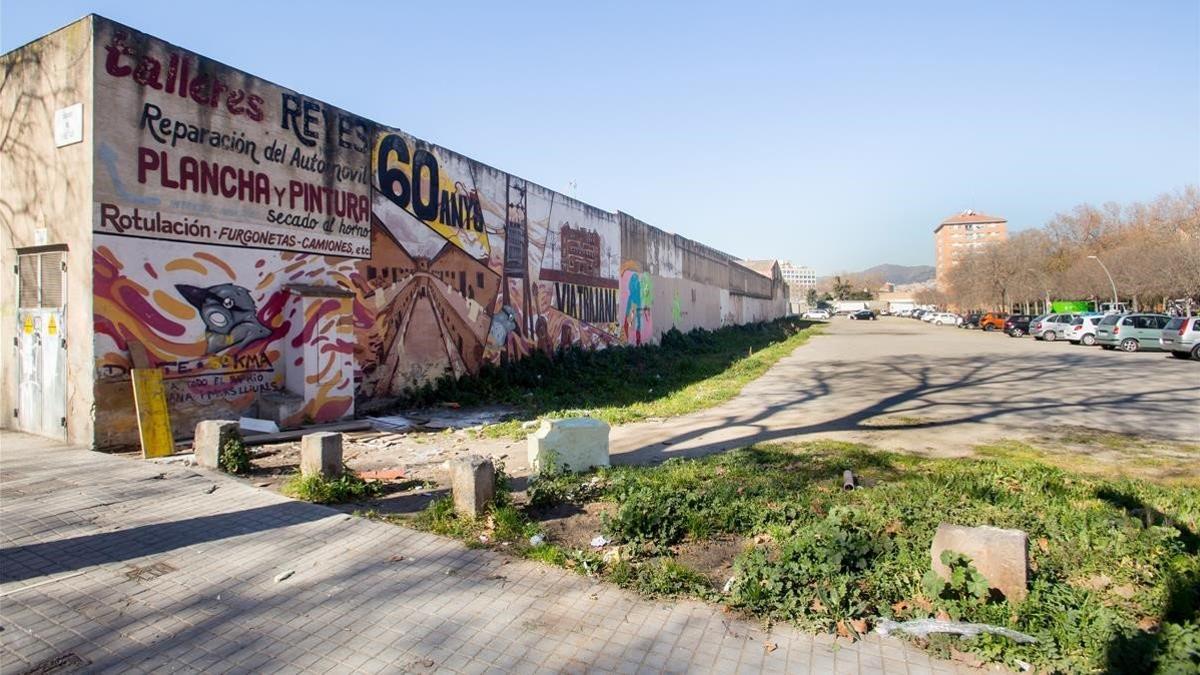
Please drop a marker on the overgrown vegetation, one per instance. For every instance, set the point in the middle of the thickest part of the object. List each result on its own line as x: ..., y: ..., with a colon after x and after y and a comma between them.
x: 686, y: 372
x: 1115, y: 577
x: 347, y: 487
x: 234, y: 458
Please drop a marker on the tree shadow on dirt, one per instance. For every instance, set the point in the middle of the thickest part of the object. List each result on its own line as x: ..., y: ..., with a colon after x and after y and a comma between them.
x: 941, y: 392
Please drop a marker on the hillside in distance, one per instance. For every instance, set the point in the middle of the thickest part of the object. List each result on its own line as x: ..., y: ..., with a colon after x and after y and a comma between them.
x: 896, y: 274
x: 901, y: 274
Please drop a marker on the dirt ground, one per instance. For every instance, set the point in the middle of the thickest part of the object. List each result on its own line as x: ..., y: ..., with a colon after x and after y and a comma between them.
x: 572, y: 525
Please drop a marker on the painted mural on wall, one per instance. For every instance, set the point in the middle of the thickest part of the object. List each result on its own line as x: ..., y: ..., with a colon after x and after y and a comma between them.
x: 222, y: 331
x: 214, y: 190
x: 636, y: 302
x: 260, y: 244
x: 473, y: 265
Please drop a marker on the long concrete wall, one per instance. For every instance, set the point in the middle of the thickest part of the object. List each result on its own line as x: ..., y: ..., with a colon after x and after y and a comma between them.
x: 684, y: 284
x: 279, y: 257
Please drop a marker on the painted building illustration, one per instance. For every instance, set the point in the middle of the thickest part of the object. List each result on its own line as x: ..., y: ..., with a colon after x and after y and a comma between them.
x: 278, y: 257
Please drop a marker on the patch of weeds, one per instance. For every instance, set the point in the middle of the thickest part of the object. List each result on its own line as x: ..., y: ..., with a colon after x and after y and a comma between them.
x: 508, y: 523
x: 810, y: 578
x: 965, y: 588
x: 503, y: 484
x: 684, y: 373
x: 316, y: 488
x: 825, y: 556
x: 547, y: 553
x: 660, y: 578
x: 553, y: 487
x: 1115, y: 570
x: 441, y: 518
x: 502, y: 521
x: 234, y: 457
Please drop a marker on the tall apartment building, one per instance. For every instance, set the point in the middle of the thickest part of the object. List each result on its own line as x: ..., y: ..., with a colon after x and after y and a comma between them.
x: 960, y: 235
x: 798, y: 277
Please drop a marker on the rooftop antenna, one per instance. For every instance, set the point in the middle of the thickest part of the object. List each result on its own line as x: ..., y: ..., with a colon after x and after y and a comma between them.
x: 573, y: 186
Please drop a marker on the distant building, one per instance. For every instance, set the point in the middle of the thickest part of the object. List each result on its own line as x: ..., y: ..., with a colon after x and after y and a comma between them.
x: 798, y: 278
x: 960, y: 235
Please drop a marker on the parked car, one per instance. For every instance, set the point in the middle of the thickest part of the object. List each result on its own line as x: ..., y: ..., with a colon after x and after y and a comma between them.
x: 918, y: 313
x: 1181, y: 337
x: 821, y: 314
x: 1083, y: 329
x: 1131, y: 332
x: 992, y: 321
x: 971, y: 320
x: 945, y: 319
x: 863, y: 315
x: 1017, y: 325
x: 1052, y: 327
x: 927, y: 317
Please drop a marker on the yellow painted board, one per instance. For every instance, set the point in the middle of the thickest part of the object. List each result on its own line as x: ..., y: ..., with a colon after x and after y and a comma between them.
x: 154, y: 423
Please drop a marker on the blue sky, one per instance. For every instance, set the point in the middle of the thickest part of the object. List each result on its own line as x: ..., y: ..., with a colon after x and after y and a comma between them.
x: 832, y: 134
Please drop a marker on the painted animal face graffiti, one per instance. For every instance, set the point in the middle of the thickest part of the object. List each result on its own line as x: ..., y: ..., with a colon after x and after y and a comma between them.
x: 229, y: 315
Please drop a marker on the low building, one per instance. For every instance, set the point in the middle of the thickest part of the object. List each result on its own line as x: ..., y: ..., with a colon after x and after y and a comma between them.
x: 271, y: 255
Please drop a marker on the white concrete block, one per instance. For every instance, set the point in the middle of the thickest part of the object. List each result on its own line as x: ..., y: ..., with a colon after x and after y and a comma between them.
x: 574, y: 444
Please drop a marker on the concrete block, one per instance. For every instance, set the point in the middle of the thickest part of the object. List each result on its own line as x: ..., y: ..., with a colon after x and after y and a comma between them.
x: 211, y: 436
x: 321, y: 453
x: 1001, y: 556
x: 279, y: 406
x: 575, y: 444
x: 472, y: 483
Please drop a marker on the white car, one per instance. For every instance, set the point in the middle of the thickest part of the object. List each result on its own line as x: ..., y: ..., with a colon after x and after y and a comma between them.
x: 927, y: 317
x: 1083, y: 329
x: 821, y: 314
x: 945, y: 319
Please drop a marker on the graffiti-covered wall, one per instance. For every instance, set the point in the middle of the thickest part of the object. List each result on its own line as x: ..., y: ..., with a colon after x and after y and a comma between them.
x: 282, y: 258
x: 471, y: 264
x: 217, y: 195
x: 669, y: 281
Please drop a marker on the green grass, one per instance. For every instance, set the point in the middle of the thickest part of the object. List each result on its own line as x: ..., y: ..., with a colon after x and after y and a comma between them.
x: 685, y: 373
x: 1115, y: 577
x: 345, y: 488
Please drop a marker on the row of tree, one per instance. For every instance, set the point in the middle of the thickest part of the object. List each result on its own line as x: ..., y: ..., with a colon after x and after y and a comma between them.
x: 1151, y: 249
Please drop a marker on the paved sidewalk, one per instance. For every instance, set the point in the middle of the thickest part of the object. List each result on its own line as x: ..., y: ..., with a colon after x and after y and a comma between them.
x: 112, y: 565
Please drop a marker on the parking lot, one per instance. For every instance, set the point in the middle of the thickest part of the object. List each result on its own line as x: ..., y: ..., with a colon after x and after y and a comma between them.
x: 904, y: 384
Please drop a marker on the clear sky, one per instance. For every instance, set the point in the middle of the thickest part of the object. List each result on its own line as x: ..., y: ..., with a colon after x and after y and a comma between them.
x: 834, y: 134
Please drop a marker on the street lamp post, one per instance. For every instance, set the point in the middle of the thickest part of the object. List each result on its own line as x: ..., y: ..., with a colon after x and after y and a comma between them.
x: 1110, y: 279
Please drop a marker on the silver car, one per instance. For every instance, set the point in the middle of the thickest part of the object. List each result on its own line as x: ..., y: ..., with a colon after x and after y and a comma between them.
x: 1181, y: 337
x: 1131, y: 332
x: 1053, y: 327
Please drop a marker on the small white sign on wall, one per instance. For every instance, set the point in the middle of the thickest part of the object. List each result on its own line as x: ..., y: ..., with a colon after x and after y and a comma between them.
x: 41, y: 236
x: 68, y: 125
